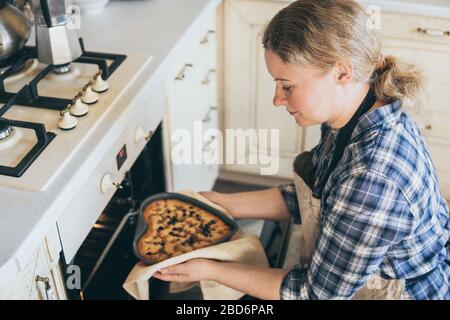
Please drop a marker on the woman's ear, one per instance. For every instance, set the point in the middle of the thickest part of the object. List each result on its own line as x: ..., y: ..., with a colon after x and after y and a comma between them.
x: 344, y: 72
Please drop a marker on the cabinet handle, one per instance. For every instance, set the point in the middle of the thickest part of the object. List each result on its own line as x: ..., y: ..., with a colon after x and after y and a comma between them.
x: 433, y: 32
x: 205, y: 39
x: 206, y: 80
x: 46, y: 292
x: 424, y: 127
x: 182, y: 74
x: 207, y: 118
x: 208, y: 143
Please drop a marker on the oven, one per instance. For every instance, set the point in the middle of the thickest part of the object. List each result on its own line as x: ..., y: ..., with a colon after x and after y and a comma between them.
x: 105, y: 257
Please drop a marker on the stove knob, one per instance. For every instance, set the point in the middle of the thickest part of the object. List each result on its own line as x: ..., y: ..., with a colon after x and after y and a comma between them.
x: 100, y: 85
x: 89, y: 96
x: 141, y: 135
x: 107, y: 184
x: 67, y: 122
x: 79, y: 109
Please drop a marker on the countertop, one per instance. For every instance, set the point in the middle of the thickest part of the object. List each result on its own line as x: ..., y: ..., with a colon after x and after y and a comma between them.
x: 155, y: 28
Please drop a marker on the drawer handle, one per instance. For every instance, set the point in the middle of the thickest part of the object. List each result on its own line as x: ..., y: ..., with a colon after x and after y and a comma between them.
x: 46, y: 292
x: 208, y: 143
x: 433, y: 32
x: 207, y: 118
x: 205, y: 39
x: 207, y: 80
x: 425, y: 127
x: 182, y: 74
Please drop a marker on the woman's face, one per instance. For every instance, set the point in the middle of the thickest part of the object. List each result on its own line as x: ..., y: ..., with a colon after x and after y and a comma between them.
x: 309, y: 94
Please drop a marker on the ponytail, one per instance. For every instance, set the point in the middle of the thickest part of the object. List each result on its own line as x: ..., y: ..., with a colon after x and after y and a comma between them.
x: 396, y: 80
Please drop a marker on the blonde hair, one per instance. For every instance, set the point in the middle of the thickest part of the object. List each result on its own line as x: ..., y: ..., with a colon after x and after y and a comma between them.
x: 321, y: 32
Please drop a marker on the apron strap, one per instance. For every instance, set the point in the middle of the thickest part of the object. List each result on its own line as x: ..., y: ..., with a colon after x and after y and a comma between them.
x: 303, y: 167
x: 345, y: 133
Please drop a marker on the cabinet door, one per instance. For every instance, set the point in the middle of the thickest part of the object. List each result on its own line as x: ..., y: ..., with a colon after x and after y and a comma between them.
x: 249, y: 89
x: 37, y: 281
x: 432, y: 54
x: 192, y: 109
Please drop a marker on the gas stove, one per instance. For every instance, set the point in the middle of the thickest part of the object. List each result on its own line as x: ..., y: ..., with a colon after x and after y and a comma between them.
x: 48, y: 112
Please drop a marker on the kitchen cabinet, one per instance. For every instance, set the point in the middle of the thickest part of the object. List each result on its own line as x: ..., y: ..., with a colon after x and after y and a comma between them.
x: 249, y: 89
x: 192, y: 113
x: 41, y: 278
x: 422, y: 40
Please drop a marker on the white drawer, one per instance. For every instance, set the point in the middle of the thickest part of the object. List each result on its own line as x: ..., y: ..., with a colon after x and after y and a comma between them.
x: 415, y: 27
x: 203, y: 42
x: 190, y: 98
x: 79, y: 216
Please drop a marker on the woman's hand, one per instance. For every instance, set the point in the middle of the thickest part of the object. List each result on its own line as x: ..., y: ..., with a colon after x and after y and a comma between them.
x: 259, y: 282
x: 189, y: 271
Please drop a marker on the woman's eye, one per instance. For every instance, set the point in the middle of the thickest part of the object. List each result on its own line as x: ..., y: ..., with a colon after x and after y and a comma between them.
x: 287, y: 88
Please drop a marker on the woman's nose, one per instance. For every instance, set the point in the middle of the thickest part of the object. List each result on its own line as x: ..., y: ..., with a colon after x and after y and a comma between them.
x: 279, y: 100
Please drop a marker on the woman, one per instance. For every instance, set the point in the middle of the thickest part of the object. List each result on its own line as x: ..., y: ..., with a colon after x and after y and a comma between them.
x: 376, y: 225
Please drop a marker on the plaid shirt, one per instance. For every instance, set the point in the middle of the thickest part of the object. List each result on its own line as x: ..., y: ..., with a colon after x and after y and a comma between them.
x: 381, y: 212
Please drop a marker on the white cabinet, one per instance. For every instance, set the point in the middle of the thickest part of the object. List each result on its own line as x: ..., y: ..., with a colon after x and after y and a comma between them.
x: 41, y: 279
x: 249, y: 88
x: 422, y: 41
x: 192, y: 104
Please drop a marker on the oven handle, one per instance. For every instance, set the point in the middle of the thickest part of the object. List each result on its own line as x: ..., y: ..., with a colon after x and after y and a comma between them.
x: 110, y: 243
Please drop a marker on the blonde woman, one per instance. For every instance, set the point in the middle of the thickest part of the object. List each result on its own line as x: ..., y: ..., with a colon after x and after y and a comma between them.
x: 375, y: 224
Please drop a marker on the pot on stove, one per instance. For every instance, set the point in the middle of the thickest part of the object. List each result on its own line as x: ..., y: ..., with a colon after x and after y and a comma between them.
x: 15, y: 29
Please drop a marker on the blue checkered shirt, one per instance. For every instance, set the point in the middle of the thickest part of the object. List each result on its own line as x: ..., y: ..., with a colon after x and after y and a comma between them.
x: 381, y: 212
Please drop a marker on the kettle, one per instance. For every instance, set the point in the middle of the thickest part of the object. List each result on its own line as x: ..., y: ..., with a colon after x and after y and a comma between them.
x: 15, y: 29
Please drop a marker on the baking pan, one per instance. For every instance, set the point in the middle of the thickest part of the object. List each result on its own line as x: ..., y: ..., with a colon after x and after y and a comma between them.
x: 141, y: 225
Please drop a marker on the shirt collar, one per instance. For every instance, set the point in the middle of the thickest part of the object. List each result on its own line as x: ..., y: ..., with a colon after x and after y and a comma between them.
x: 383, y: 114
x: 388, y: 113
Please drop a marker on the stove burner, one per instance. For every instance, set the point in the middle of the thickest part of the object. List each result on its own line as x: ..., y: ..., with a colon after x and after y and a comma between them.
x: 26, y: 68
x: 63, y: 68
x: 12, y: 140
x: 15, y: 63
x: 5, y: 131
x: 71, y: 73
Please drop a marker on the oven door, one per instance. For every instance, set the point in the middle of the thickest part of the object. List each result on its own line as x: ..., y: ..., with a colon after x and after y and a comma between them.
x: 105, y: 256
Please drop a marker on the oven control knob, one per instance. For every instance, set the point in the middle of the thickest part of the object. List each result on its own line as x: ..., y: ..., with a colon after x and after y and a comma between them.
x: 89, y: 96
x: 99, y: 84
x: 67, y: 121
x: 79, y: 109
x: 107, y: 184
x: 142, y: 135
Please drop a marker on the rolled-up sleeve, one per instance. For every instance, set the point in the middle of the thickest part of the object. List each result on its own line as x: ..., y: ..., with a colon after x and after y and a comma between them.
x: 364, y: 215
x: 290, y: 199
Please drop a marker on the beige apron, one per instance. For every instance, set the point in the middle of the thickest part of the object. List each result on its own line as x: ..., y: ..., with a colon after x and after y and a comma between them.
x: 376, y: 287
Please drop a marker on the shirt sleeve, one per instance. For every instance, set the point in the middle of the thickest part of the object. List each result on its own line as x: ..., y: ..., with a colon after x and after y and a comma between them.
x: 362, y: 217
x: 290, y: 199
